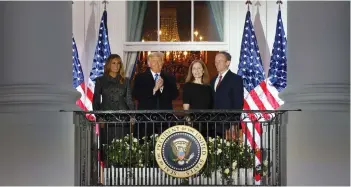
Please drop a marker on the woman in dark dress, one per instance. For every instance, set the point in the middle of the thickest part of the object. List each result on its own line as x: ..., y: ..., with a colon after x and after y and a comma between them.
x: 197, y: 92
x: 114, y: 90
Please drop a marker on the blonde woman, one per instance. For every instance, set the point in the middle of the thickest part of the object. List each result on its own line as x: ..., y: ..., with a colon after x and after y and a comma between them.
x: 113, y: 87
x: 112, y: 92
x: 197, y: 92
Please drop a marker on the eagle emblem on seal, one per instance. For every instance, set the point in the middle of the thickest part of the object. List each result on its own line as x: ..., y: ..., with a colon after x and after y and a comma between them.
x: 181, y: 149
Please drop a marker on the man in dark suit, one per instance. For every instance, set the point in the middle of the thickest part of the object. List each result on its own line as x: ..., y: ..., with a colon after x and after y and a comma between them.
x: 228, y: 90
x: 154, y: 90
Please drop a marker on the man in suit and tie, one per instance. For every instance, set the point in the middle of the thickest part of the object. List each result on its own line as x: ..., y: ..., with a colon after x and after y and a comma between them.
x: 154, y: 89
x: 228, y: 90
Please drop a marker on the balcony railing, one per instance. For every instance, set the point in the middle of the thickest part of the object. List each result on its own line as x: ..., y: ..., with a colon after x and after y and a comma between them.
x: 214, y: 147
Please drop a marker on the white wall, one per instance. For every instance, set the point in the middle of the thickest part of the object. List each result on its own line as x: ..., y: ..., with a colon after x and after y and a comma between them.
x: 87, y: 15
x: 86, y: 20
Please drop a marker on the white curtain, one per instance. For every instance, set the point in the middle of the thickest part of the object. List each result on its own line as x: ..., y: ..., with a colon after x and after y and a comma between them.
x: 217, y: 8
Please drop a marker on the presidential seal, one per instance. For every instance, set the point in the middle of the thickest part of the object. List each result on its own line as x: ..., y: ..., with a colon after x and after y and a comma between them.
x: 181, y: 151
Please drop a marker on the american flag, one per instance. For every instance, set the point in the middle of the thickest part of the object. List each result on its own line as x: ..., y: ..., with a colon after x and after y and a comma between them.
x: 78, y: 80
x: 259, y: 94
x: 102, y: 51
x: 78, y: 76
x: 277, y: 71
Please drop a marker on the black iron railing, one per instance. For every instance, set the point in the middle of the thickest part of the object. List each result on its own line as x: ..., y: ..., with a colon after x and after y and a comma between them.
x: 159, y: 147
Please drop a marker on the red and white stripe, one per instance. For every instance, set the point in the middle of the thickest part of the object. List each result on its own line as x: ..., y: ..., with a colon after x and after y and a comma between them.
x: 84, y: 103
x: 263, y: 97
x: 90, y: 95
x: 90, y: 92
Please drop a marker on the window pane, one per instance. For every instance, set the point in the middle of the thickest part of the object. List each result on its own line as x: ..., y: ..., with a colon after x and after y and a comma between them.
x: 142, y: 21
x: 208, y: 20
x: 175, y: 21
x: 177, y: 63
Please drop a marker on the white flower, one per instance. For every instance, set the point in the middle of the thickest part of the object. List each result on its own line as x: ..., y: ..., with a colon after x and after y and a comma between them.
x: 226, y: 171
x: 228, y: 144
x: 135, y: 140
x: 210, y: 139
x: 140, y: 161
x: 234, y: 165
x: 219, y: 151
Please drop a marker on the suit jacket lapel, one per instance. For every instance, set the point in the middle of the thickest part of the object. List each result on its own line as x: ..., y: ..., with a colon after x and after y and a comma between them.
x: 148, y: 71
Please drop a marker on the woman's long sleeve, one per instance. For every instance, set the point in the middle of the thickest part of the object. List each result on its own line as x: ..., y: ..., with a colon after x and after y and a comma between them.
x: 129, y: 98
x: 97, y: 96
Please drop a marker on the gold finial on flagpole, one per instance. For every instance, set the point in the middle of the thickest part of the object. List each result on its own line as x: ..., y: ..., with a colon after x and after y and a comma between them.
x: 248, y: 3
x: 104, y: 2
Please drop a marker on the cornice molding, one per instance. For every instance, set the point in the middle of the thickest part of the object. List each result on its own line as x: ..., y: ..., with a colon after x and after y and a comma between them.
x: 318, y: 97
x: 32, y: 97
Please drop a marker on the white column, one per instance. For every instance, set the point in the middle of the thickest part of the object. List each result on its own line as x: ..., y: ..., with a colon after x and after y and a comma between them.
x: 316, y: 147
x: 36, y: 140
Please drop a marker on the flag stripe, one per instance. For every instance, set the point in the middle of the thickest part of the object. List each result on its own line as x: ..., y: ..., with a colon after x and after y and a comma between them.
x: 250, y: 127
x: 251, y: 116
x: 83, y: 103
x: 258, y: 102
x: 89, y: 94
x: 263, y: 98
x: 271, y: 99
x: 275, y: 93
x: 80, y: 104
x: 255, y: 142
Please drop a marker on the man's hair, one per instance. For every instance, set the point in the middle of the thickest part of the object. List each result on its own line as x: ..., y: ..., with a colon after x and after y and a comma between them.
x: 156, y: 54
x: 226, y: 54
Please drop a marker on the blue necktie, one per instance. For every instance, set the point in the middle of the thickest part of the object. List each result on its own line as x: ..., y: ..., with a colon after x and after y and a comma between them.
x: 157, y: 100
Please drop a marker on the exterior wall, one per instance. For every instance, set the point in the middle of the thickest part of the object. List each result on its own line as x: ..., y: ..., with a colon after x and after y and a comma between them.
x: 87, y: 15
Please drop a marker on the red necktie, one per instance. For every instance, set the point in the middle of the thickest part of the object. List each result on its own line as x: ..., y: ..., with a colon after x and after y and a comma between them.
x: 219, y: 82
